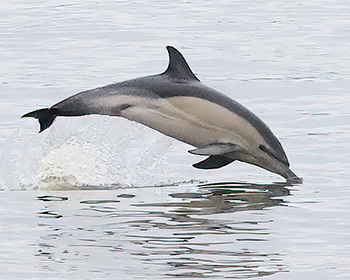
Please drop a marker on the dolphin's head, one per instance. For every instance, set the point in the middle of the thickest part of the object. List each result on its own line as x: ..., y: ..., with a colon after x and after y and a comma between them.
x: 270, y: 157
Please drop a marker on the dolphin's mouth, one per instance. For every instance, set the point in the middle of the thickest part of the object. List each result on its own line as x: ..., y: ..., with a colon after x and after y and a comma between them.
x: 287, y: 173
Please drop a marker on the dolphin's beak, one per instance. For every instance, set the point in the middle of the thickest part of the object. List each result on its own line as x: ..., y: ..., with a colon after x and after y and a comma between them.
x: 277, y: 162
x: 291, y: 177
x: 273, y: 165
x: 282, y: 169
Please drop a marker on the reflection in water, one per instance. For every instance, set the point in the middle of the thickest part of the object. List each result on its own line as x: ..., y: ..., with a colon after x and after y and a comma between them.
x: 226, y: 197
x: 188, y: 258
x: 213, y: 230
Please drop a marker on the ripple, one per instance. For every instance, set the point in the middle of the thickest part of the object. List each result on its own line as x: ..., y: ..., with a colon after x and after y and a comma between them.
x: 99, y: 201
x: 52, y: 198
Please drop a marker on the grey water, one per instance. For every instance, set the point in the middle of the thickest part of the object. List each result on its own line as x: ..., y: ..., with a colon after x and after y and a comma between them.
x: 104, y: 198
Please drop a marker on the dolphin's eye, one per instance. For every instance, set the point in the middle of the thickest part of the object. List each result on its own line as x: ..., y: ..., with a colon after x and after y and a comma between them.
x: 263, y: 148
x: 267, y: 151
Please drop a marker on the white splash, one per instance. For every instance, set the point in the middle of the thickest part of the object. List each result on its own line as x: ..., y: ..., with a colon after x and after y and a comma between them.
x: 87, y: 151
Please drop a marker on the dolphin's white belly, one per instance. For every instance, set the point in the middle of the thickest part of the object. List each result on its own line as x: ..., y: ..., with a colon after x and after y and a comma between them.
x: 194, y: 121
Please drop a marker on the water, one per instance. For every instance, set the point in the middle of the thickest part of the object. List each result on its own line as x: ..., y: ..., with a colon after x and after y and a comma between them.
x: 103, y: 198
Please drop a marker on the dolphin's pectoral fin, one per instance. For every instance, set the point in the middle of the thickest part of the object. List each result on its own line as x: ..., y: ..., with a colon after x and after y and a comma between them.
x: 215, y: 149
x: 213, y: 162
x: 216, y: 153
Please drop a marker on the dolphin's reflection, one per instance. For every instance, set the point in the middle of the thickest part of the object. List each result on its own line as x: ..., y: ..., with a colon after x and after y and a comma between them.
x: 197, y: 234
x: 226, y: 198
x: 219, y: 230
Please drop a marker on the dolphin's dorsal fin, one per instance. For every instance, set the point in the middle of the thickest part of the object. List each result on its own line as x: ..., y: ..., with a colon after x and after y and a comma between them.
x: 178, y: 67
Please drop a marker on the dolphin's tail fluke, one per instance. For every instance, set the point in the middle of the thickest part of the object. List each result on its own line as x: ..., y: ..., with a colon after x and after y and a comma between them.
x: 45, y: 116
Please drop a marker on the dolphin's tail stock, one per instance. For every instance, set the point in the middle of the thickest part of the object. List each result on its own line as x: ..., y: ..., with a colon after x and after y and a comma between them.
x: 45, y: 116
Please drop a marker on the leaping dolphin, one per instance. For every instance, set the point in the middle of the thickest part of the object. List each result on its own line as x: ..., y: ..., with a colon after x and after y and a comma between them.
x: 178, y: 105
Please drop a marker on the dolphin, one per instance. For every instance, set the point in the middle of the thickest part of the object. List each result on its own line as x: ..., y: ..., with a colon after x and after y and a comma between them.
x: 178, y: 105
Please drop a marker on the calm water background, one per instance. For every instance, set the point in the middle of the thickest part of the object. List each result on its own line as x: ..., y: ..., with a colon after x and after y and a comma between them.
x: 103, y: 198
